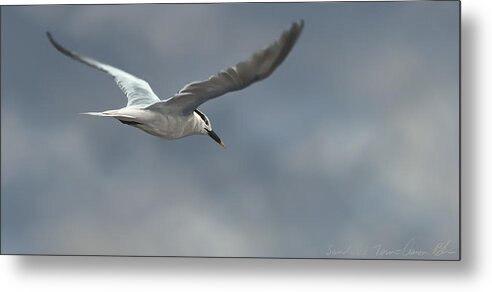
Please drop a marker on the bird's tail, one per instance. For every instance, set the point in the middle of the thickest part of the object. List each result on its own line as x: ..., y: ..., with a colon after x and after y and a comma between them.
x: 100, y: 114
x: 111, y: 113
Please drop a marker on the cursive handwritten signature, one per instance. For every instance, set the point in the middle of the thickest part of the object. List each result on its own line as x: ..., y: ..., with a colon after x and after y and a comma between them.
x: 409, y: 249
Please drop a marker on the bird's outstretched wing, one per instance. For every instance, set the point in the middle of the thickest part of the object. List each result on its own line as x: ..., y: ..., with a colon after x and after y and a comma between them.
x: 258, y: 67
x: 137, y: 91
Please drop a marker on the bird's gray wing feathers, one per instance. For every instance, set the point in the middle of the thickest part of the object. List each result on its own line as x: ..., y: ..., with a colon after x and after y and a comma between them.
x: 137, y: 91
x: 258, y: 67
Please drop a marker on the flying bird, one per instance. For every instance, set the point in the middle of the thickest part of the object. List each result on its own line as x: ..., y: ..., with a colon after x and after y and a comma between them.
x: 178, y: 116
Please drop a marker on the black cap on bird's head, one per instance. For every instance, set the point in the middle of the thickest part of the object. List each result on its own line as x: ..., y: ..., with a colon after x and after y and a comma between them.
x: 208, y: 128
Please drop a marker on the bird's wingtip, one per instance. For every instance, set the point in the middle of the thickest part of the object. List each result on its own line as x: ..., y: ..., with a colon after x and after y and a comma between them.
x: 298, y: 25
x: 50, y: 37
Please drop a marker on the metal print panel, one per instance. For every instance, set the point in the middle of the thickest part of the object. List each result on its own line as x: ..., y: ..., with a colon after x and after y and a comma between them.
x: 341, y: 121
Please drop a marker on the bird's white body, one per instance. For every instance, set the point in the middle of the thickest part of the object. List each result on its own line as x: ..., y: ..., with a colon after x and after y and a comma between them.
x: 178, y: 116
x: 168, y: 126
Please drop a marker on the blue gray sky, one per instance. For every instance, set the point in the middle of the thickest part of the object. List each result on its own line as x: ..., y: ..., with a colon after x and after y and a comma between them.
x: 350, y: 149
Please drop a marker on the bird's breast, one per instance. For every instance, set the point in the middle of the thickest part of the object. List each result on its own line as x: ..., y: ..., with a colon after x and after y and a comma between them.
x: 170, y: 126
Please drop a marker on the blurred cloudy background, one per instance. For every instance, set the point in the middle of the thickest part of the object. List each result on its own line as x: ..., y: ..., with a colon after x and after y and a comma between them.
x: 351, y: 145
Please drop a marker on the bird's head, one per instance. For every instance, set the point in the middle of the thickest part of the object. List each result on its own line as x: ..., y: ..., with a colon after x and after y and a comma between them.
x: 206, y: 127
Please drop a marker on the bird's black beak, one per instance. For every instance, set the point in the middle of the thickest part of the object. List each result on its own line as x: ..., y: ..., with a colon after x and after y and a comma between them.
x: 216, y: 138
